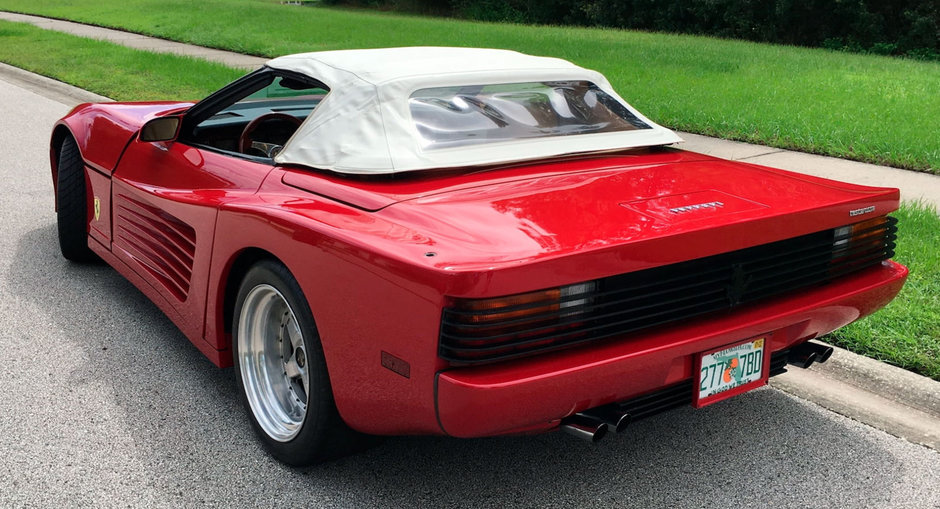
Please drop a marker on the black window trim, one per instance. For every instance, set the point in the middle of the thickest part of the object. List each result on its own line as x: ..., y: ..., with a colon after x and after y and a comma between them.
x: 229, y: 95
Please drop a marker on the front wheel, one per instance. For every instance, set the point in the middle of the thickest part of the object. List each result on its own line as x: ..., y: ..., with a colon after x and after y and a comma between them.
x: 72, y: 204
x: 281, y: 371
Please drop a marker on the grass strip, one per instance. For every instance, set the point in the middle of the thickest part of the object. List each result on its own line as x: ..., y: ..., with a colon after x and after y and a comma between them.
x: 110, y: 70
x: 906, y: 333
x: 868, y: 108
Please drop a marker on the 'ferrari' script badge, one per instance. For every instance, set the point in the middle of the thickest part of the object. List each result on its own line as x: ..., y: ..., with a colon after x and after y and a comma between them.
x: 97, y: 208
x: 858, y: 212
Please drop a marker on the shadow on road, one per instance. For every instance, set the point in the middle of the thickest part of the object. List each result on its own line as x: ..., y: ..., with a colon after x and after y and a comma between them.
x: 762, y: 448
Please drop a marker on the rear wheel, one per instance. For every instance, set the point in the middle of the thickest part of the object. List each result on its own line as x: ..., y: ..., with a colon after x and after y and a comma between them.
x: 72, y: 200
x: 281, y: 371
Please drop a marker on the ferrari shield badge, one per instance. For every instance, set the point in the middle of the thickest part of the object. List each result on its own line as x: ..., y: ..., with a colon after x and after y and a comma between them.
x: 97, y: 208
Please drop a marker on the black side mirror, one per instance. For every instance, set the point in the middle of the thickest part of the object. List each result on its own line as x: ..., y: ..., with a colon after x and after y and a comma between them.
x: 160, y: 129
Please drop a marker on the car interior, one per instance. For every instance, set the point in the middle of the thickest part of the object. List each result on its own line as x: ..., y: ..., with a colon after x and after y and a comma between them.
x: 261, y: 123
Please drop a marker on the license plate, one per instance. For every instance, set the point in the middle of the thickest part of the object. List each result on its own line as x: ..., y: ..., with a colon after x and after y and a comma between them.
x: 730, y: 370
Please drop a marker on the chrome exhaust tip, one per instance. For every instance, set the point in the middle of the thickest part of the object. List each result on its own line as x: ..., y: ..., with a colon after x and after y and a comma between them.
x: 616, y: 419
x: 823, y: 352
x: 585, y: 427
x: 801, y: 356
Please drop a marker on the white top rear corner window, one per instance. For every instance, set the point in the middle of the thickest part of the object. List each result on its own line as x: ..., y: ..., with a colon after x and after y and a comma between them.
x: 456, y: 116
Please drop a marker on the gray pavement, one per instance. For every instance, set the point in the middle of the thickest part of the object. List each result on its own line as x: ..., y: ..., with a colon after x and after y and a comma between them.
x: 834, y: 391
x: 891, y: 399
x: 103, y: 402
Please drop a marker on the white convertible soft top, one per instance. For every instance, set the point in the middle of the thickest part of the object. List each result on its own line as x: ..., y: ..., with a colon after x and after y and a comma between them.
x: 365, y: 126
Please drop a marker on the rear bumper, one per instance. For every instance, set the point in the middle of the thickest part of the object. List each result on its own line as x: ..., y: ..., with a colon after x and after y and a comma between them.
x: 534, y: 394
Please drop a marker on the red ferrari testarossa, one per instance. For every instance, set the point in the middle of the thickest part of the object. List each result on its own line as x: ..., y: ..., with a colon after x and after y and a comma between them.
x: 462, y: 242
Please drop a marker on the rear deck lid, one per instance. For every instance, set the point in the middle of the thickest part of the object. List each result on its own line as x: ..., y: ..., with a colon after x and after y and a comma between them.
x: 577, y: 211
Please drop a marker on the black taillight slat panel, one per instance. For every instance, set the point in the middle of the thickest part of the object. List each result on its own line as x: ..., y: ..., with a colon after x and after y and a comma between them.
x: 785, y: 282
x: 634, y: 301
x: 603, y: 328
x: 609, y: 296
x: 599, y: 312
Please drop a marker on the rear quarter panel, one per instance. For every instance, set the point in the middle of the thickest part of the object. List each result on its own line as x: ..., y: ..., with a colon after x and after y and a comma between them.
x: 364, y: 301
x: 372, y: 288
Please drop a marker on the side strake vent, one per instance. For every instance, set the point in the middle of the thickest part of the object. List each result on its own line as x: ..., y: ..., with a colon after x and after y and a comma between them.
x: 162, y: 244
x: 485, y: 330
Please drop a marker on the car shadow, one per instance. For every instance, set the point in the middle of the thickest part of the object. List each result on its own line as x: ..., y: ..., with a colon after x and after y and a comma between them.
x: 192, y: 438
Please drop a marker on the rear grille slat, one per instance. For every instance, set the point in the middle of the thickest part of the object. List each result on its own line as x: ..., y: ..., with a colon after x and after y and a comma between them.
x: 680, y: 394
x: 619, y: 325
x: 785, y: 282
x: 606, y: 296
x: 631, y: 302
x: 598, y: 312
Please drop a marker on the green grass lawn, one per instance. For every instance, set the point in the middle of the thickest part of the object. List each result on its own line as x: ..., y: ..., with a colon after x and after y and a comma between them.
x: 113, y: 71
x: 906, y: 333
x: 862, y: 107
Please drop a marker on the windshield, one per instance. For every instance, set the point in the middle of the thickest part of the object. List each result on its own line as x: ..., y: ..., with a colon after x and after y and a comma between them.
x: 468, y: 115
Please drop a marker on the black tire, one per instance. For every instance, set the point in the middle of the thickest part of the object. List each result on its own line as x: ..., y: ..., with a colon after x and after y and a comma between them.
x: 322, y: 435
x: 72, y: 198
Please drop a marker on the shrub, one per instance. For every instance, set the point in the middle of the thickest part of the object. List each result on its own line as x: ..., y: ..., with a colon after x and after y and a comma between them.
x: 886, y: 27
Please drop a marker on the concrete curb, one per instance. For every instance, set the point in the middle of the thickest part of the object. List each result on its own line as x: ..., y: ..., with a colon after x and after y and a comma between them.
x: 886, y: 397
x: 880, y: 395
x: 48, y: 87
x: 877, y: 377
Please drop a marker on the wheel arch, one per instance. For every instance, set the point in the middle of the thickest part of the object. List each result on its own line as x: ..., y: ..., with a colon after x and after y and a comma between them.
x: 237, y: 268
x: 59, y: 134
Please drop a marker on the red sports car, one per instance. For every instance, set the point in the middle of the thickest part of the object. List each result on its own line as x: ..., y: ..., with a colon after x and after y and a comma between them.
x: 461, y: 242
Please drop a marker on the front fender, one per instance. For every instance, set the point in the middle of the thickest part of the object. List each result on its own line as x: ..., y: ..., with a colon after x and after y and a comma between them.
x: 102, y: 131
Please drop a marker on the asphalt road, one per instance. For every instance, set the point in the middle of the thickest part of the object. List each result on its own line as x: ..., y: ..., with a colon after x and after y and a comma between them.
x: 104, y: 403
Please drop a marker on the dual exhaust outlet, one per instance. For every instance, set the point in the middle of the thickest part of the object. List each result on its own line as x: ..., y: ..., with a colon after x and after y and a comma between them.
x: 594, y: 424
x: 805, y: 354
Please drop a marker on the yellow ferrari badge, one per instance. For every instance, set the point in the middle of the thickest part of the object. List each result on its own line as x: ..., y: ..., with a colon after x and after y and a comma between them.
x: 97, y: 208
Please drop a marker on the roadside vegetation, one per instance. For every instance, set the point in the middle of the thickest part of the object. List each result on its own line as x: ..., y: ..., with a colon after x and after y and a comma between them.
x: 112, y: 71
x: 906, y: 333
x: 863, y: 107
x: 883, y: 27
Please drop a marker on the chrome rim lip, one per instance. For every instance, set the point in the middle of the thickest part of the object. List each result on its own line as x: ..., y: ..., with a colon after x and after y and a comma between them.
x: 272, y: 363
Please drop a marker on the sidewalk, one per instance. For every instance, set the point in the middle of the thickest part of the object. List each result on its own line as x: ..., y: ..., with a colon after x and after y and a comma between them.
x: 137, y: 41
x: 883, y: 396
x: 913, y: 185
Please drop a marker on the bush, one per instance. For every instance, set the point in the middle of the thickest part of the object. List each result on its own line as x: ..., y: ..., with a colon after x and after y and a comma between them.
x: 886, y: 27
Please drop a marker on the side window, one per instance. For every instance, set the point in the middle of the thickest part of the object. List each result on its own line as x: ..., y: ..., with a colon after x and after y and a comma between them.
x: 260, y: 123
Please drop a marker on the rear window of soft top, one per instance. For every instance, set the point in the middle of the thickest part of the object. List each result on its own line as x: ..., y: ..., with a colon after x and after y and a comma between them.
x: 469, y: 115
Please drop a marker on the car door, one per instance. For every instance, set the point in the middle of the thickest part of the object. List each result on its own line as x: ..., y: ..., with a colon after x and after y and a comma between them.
x: 165, y: 195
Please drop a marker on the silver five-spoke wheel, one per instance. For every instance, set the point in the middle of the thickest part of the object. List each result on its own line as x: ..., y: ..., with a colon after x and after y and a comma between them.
x: 281, y: 370
x: 273, y: 363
